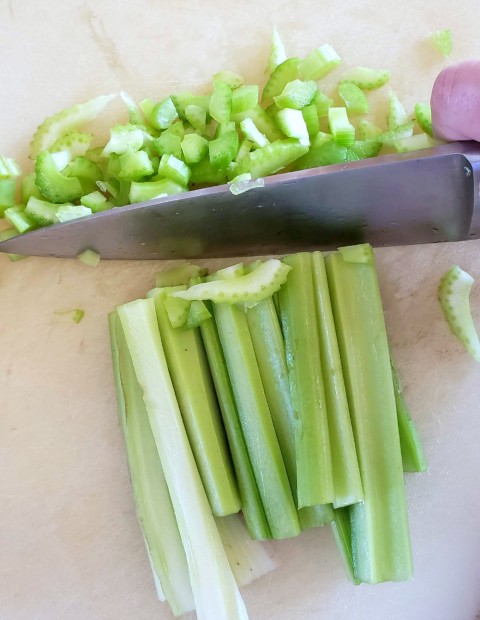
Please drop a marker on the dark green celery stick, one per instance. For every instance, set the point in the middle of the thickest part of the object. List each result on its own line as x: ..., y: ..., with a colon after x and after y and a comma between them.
x: 154, y: 506
x: 413, y: 456
x: 380, y: 533
x: 193, y: 385
x: 255, y: 418
x: 269, y: 348
x: 346, y: 474
x: 300, y: 330
x: 251, y: 501
x: 342, y: 532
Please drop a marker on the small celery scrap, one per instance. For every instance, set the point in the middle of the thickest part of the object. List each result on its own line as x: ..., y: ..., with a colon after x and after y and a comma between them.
x: 454, y: 297
x: 77, y: 314
x: 89, y: 257
x: 442, y: 41
x: 244, y: 182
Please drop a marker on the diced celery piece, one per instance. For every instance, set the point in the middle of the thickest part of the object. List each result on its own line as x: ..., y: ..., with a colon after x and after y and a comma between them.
x: 146, y: 106
x: 122, y: 193
x: 196, y: 116
x: 9, y: 168
x: 86, y: 171
x: 341, y: 129
x: 285, y: 72
x: 204, y: 173
x: 245, y: 148
x: 65, y: 213
x: 326, y: 153
x: 135, y: 115
x: 368, y: 130
x: 182, y: 100
x: 415, y: 143
x: 134, y: 165
x: 225, y: 128
x: 263, y: 122
x: 177, y: 129
x: 454, y: 297
x: 234, y: 80
x: 366, y: 79
x: 75, y: 142
x: 29, y: 187
x: 271, y: 158
x: 19, y: 219
x: 163, y: 114
x: 277, y: 54
x: 66, y: 120
x: 223, y: 150
x: 220, y: 107
x: 397, y: 115
x: 147, y: 190
x: 177, y: 310
x: 442, y: 41
x: 310, y: 116
x: 393, y: 135
x: 53, y: 184
x: 323, y: 103
x: 124, y: 138
x: 168, y: 144
x: 175, y: 169
x: 251, y: 132
x: 423, y: 116
x: 89, y: 257
x: 244, y: 98
x: 7, y: 194
x: 296, y: 94
x: 293, y: 125
x: 354, y: 98
x: 318, y: 63
x: 243, y: 183
x: 95, y: 201
x: 41, y: 212
x: 197, y: 313
x: 194, y: 148
x: 366, y: 148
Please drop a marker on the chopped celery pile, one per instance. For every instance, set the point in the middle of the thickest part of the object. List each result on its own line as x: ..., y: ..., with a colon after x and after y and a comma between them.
x: 265, y: 388
x: 236, y: 133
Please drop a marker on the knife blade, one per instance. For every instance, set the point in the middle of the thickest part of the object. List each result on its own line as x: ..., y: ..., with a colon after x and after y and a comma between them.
x: 425, y: 196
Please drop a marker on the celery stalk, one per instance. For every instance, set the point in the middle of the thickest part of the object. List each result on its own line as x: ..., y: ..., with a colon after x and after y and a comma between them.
x: 255, y: 418
x: 380, y: 533
x: 252, y: 506
x: 312, y: 443
x: 215, y: 592
x: 154, y: 507
x: 346, y: 474
x: 342, y: 533
x: 191, y: 378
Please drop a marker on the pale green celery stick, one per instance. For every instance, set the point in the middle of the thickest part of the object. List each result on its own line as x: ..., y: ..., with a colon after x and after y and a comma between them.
x: 215, y: 592
x: 154, y: 507
x: 413, y: 456
x: 269, y: 348
x: 346, y: 474
x: 342, y: 533
x: 380, y: 533
x: 255, y: 418
x: 249, y: 559
x: 250, y: 498
x: 300, y: 330
x: 193, y: 385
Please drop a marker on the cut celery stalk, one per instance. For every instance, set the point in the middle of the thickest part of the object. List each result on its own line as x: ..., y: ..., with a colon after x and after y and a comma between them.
x: 285, y: 72
x: 19, y: 219
x: 258, y: 430
x: 251, y: 133
x: 271, y: 158
x: 380, y: 533
x: 220, y: 107
x: 86, y: 171
x: 214, y: 589
x: 413, y: 456
x: 55, y: 186
x: 182, y: 100
x: 197, y: 313
x: 41, y: 212
x: 124, y: 138
x: 135, y: 115
x: 454, y: 297
x: 194, y: 148
x: 9, y: 168
x: 65, y: 213
x: 252, y: 506
x: 312, y: 444
x: 442, y: 41
x: 341, y: 129
x: 96, y: 201
x: 269, y: 347
x: 178, y: 275
x: 197, y: 116
x: 368, y: 130
x: 135, y: 165
x: 163, y: 114
x: 244, y: 98
x: 396, y: 113
x: 366, y: 148
x: 174, y: 169
x: 346, y: 474
x: 243, y: 183
x: 263, y: 122
x: 323, y: 103
x: 393, y: 135
x: 342, y: 533
x: 232, y: 79
x: 248, y: 558
x: 154, y: 506
x: 318, y: 63
x: 64, y: 121
x: 296, y: 94
x: 147, y: 190
x: 224, y: 149
x: 204, y: 173
x: 7, y: 194
x: 366, y: 79
x: 312, y: 121
x: 326, y: 153
x: 168, y: 144
x: 354, y: 98
x: 89, y: 258
x: 259, y: 284
x: 277, y: 54
x: 415, y: 143
x: 177, y: 310
x: 293, y: 125
x: 423, y: 116
x: 193, y: 385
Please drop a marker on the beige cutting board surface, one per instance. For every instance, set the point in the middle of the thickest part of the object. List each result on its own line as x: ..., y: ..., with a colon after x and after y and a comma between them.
x: 70, y: 546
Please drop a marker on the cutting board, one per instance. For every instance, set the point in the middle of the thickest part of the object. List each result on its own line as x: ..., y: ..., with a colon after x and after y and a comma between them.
x: 70, y: 546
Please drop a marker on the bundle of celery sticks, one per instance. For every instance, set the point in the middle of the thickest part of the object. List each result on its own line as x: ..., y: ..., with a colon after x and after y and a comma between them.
x: 268, y: 389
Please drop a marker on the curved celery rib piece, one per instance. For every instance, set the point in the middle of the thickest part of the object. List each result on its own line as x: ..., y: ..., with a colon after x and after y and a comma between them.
x: 43, y: 213
x: 154, y: 506
x: 399, y: 133
x: 380, y: 533
x: 423, y: 116
x: 318, y: 63
x: 296, y: 94
x: 193, y: 385
x: 354, y: 98
x: 277, y: 54
x: 325, y: 152
x: 293, y: 125
x: 55, y: 186
x: 285, y: 72
x: 147, y: 190
x: 365, y: 78
x: 415, y: 143
x: 364, y: 149
x: 261, y: 283
x: 272, y: 157
x: 215, y: 592
x: 368, y: 130
x: 396, y: 113
x: 66, y: 120
x: 454, y: 297
x: 341, y: 129
x: 124, y: 138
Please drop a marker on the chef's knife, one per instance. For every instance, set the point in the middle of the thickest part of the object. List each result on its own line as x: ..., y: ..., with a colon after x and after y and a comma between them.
x: 419, y: 197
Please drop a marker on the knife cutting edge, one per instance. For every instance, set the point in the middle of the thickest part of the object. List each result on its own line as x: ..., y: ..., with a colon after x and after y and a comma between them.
x: 423, y: 196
